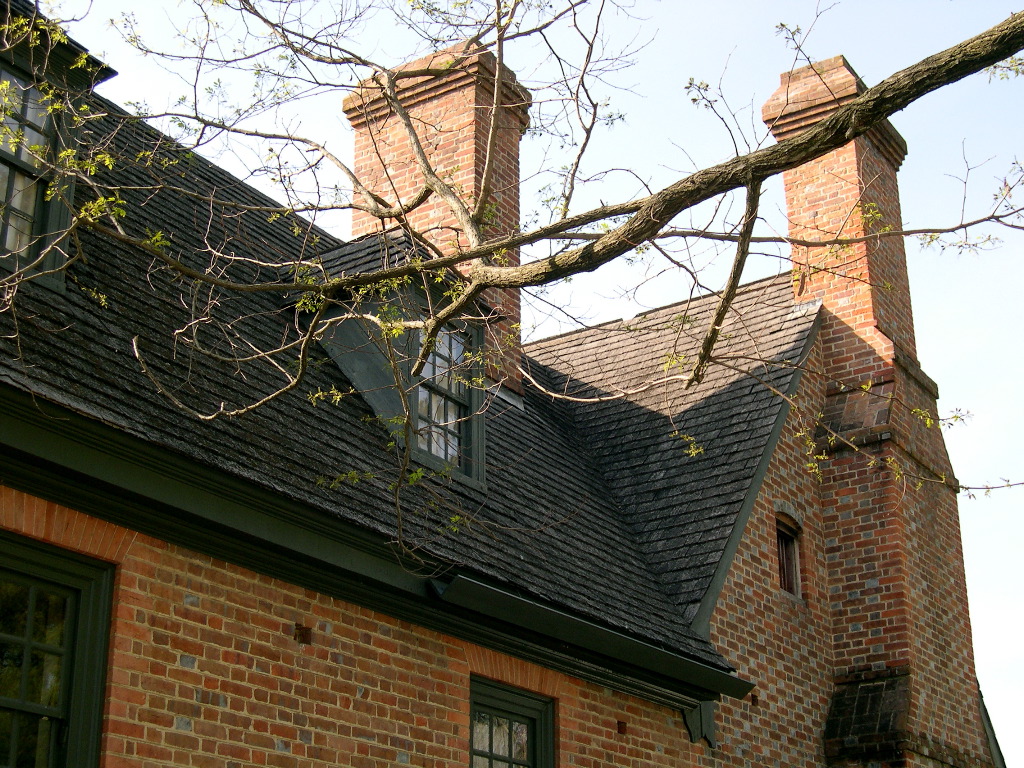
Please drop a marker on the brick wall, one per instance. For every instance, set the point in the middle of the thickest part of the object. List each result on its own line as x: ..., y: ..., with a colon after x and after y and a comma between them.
x: 451, y: 116
x: 204, y: 671
x: 779, y: 640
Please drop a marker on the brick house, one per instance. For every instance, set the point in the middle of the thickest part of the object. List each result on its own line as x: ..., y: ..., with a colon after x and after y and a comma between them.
x: 655, y: 578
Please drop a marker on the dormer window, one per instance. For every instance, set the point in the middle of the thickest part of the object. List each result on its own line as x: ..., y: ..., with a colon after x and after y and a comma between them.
x: 27, y: 134
x: 445, y: 401
x: 443, y: 398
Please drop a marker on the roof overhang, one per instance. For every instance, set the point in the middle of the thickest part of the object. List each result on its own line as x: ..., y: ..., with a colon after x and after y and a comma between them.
x: 78, y: 461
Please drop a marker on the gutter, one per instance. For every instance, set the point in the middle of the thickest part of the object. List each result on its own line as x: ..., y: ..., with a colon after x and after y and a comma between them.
x: 497, y: 603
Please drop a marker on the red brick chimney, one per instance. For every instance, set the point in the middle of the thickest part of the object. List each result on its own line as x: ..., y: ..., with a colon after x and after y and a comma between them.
x: 452, y: 113
x: 903, y: 659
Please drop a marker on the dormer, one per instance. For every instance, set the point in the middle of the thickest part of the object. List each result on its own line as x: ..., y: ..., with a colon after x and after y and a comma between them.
x: 436, y: 413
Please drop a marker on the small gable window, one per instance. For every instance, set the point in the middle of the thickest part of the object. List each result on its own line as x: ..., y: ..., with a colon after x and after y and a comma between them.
x: 510, y: 727
x: 787, y: 535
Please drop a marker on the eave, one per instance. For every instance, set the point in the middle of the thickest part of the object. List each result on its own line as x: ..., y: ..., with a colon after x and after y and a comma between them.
x: 71, y: 459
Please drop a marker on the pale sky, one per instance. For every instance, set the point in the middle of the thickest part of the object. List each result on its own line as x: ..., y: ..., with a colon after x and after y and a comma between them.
x: 967, y: 307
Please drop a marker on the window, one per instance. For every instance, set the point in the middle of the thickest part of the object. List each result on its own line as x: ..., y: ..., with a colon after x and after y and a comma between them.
x: 27, y: 134
x: 443, y: 398
x: 510, y: 727
x: 787, y: 532
x: 54, y: 620
x: 448, y: 397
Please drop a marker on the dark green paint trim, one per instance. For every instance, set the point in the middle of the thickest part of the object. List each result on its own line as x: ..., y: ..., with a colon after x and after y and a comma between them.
x: 497, y: 603
x: 516, y: 701
x: 64, y: 457
x: 158, y: 487
x: 93, y: 581
x: 701, y: 620
x: 700, y: 723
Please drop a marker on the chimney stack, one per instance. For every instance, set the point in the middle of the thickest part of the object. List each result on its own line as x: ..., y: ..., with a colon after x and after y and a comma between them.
x: 902, y: 655
x: 452, y: 114
x: 849, y: 193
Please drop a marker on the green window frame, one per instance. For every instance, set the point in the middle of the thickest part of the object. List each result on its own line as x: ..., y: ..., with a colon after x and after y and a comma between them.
x: 54, y: 625
x: 444, y: 402
x: 447, y: 402
x: 510, y: 727
x: 33, y: 216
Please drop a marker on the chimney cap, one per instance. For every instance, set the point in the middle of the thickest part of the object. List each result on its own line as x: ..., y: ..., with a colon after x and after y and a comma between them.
x: 808, y: 95
x: 447, y: 70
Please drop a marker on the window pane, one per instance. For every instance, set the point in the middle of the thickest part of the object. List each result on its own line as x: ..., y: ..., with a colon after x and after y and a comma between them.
x: 19, y: 233
x: 33, y: 739
x: 14, y: 88
x: 44, y: 678
x: 520, y: 741
x: 437, y: 415
x: 499, y: 737
x: 13, y: 608
x: 6, y: 734
x: 11, y: 656
x: 23, y: 194
x: 36, y: 112
x: 481, y: 731
x: 48, y: 618
x: 480, y: 762
x: 27, y: 153
x: 5, y: 177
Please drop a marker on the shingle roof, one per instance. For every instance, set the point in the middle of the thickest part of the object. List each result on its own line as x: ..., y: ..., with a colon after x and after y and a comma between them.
x: 596, y: 509
x: 371, y: 253
x: 681, y: 462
